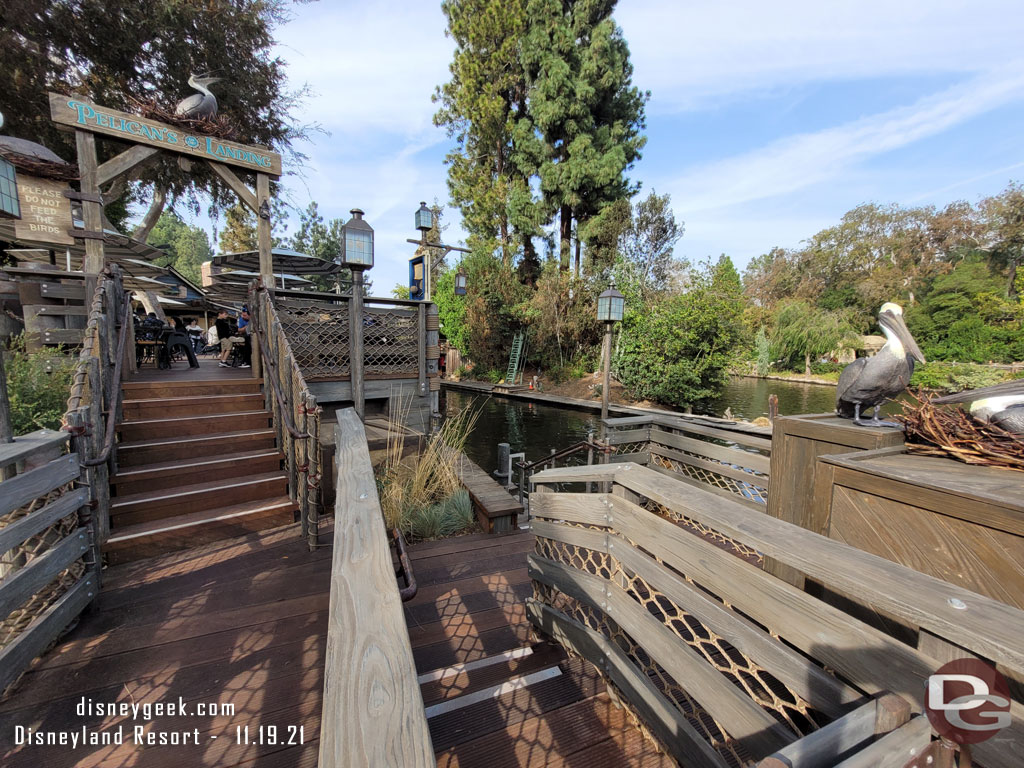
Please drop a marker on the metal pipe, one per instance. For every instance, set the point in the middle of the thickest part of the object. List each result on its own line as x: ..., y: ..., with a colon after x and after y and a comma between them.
x: 408, y: 592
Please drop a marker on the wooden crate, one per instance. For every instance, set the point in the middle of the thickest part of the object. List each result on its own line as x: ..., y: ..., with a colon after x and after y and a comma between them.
x: 963, y: 524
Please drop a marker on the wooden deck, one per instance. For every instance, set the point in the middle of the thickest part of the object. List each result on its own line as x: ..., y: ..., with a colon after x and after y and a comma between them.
x: 244, y: 622
x: 513, y: 703
x: 496, y: 509
x: 241, y: 622
x: 179, y: 371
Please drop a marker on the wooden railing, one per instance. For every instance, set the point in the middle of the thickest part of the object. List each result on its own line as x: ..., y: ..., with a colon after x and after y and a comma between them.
x: 733, y: 463
x: 55, y: 506
x: 372, y: 707
x: 295, y: 412
x: 727, y: 664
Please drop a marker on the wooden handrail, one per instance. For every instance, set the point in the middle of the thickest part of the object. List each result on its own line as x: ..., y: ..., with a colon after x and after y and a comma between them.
x: 108, y: 437
x: 373, y: 710
x: 672, y: 561
x: 275, y: 385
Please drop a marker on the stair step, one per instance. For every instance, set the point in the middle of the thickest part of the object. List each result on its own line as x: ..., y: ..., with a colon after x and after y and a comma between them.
x: 193, y: 425
x: 151, y: 451
x: 174, y: 474
x: 191, y: 405
x: 145, y: 390
x: 463, y: 679
x: 196, y: 528
x: 159, y: 505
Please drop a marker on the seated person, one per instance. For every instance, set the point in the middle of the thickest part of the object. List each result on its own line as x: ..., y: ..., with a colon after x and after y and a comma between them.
x: 228, y: 335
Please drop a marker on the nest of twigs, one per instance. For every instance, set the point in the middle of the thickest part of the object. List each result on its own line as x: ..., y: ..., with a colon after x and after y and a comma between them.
x: 934, y: 430
x: 219, y: 127
x: 42, y: 168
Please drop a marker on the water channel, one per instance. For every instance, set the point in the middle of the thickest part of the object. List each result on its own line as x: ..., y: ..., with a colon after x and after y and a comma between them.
x: 536, y: 428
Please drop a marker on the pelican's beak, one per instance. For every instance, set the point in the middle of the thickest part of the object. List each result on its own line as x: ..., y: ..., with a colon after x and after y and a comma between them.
x: 899, y: 327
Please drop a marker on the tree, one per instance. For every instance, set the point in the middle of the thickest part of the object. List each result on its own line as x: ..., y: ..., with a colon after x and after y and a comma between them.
x: 119, y: 53
x: 481, y: 107
x: 649, y: 241
x: 679, y: 350
x: 186, y: 246
x: 1004, y: 215
x: 805, y: 331
x: 586, y: 114
x: 239, y: 233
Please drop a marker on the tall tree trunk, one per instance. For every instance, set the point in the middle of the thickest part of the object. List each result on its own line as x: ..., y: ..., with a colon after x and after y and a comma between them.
x: 565, y: 238
x: 1011, y: 283
x: 152, y: 216
x: 577, y: 256
x: 807, y: 363
x: 529, y: 267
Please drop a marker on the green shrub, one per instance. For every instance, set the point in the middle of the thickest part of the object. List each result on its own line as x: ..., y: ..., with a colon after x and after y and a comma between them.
x: 954, y: 377
x: 818, y: 368
x: 446, y: 518
x: 763, y: 349
x: 38, y: 391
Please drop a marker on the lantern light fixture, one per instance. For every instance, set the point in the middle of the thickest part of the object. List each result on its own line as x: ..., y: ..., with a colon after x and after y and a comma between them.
x: 460, y: 282
x: 611, y: 305
x: 424, y: 218
x: 357, y: 242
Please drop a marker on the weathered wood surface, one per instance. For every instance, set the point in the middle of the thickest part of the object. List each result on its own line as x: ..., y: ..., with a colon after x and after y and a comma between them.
x: 37, y: 482
x: 871, y: 660
x: 241, y: 621
x: 372, y: 707
x: 32, y: 444
x: 496, y: 509
x: 896, y: 749
x: 691, y: 426
x: 20, y: 585
x: 124, y: 162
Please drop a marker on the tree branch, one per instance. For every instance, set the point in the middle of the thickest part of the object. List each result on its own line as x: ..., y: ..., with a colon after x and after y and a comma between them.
x: 149, y: 221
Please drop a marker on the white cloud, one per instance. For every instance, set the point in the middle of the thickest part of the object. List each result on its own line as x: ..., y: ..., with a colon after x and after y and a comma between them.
x: 700, y: 51
x: 800, y: 161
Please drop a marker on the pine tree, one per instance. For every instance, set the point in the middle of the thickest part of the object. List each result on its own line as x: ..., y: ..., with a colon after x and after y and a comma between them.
x: 483, y: 107
x: 239, y: 233
x: 587, y: 114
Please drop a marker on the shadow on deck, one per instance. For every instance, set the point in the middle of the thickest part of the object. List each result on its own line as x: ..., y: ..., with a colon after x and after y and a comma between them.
x: 242, y: 622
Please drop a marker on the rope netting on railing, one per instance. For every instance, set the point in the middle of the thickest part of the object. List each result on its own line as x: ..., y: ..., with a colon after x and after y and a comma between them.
x: 761, y: 686
x: 390, y: 342
x: 749, y: 491
x: 318, y: 336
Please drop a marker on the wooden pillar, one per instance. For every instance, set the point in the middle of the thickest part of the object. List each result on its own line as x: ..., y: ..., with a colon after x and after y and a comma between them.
x: 433, y: 343
x: 355, y: 342
x: 263, y: 230
x: 92, y: 211
x: 421, y: 348
x: 607, y: 380
x: 6, y: 430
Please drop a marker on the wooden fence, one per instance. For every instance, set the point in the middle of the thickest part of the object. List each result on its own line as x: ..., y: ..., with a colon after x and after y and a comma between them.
x: 54, y: 506
x: 735, y: 464
x: 726, y: 664
x: 372, y: 707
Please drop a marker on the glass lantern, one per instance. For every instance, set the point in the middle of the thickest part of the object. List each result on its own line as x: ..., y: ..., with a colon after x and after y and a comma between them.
x: 460, y: 282
x: 357, y: 242
x: 611, y: 305
x: 424, y: 218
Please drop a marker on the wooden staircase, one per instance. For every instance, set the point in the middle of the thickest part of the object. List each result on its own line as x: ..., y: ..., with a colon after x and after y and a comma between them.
x: 197, y: 462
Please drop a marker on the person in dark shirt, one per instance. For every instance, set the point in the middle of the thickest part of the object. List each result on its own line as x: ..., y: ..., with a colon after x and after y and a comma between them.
x: 227, y: 334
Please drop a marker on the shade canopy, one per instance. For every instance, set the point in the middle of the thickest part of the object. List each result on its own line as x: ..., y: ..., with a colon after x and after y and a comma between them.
x: 285, y: 261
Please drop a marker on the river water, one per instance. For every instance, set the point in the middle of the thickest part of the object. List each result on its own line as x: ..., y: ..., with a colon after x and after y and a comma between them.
x: 536, y: 428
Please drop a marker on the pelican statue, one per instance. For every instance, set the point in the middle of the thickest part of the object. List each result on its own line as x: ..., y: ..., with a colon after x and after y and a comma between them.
x: 870, y: 381
x: 199, y: 105
x: 1000, y: 404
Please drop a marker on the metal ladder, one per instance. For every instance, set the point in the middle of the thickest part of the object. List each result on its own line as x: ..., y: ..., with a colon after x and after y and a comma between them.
x: 513, y: 359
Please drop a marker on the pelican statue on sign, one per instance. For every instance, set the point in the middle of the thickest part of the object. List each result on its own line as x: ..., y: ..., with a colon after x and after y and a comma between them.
x: 1000, y: 404
x: 869, y: 381
x: 199, y: 105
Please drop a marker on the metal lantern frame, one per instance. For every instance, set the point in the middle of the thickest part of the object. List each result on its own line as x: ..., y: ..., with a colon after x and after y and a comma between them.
x: 461, y: 280
x: 611, y: 305
x: 424, y: 218
x: 357, y: 242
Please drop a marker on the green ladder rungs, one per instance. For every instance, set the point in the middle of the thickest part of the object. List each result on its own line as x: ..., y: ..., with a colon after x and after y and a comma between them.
x: 513, y: 360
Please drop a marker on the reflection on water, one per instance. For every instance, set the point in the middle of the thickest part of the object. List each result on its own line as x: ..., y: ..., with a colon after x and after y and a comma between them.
x: 536, y: 428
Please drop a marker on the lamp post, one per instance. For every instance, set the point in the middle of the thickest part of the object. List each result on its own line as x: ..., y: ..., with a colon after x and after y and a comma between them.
x: 357, y: 255
x: 610, y: 307
x: 426, y: 263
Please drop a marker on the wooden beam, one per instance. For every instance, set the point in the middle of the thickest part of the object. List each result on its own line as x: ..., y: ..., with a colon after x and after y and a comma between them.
x: 31, y: 444
x: 123, y: 163
x: 736, y: 456
x: 896, y: 749
x: 37, y: 482
x: 668, y: 725
x: 92, y: 213
x: 372, y: 707
x: 246, y: 195
x: 263, y: 230
x: 40, y: 571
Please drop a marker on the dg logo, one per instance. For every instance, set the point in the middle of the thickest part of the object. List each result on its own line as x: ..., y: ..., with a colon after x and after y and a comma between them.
x: 968, y: 701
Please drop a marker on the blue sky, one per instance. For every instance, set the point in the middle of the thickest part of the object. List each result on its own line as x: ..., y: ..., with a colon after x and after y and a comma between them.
x: 766, y: 122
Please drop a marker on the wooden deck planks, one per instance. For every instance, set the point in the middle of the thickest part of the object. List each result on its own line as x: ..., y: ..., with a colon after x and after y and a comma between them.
x: 240, y: 622
x: 496, y: 509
